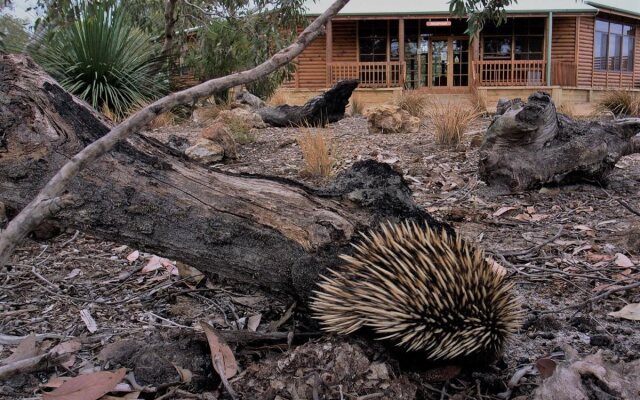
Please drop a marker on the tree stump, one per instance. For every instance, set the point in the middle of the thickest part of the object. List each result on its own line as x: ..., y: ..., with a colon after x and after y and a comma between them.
x: 318, y: 111
x: 529, y: 145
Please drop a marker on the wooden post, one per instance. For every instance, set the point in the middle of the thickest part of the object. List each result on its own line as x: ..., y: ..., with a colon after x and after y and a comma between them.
x: 549, y: 45
x: 388, y: 74
x: 401, y: 55
x: 329, y: 52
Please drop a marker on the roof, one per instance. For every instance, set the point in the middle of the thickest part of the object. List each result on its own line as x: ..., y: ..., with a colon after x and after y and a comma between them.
x: 631, y: 7
x: 418, y: 7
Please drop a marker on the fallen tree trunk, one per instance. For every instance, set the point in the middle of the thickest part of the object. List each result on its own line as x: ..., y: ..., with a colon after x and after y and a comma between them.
x: 265, y: 231
x: 320, y: 110
x: 530, y: 145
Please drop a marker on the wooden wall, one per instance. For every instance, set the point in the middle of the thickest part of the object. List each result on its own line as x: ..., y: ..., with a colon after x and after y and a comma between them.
x: 311, y: 70
x: 586, y: 26
x: 563, y: 40
x: 345, y: 41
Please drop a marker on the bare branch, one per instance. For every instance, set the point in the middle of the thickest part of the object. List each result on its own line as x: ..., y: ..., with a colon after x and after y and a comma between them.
x: 35, y: 212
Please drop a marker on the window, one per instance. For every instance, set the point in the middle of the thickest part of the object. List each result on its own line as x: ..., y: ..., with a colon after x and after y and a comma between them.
x: 373, y: 41
x: 614, y: 46
x: 518, y: 39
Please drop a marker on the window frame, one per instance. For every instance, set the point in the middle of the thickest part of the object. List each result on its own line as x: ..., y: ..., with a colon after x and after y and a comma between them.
x: 513, y: 35
x: 609, y: 63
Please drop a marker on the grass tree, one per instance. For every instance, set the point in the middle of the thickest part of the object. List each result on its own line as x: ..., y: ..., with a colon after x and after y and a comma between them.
x: 103, y: 58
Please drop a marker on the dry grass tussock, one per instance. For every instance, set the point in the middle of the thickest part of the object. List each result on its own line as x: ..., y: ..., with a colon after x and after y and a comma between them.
x: 207, y: 113
x: 479, y: 100
x: 316, y: 153
x: 621, y: 103
x: 413, y: 101
x: 357, y: 106
x: 450, y: 121
x: 279, y: 98
x: 567, y: 109
x: 240, y: 130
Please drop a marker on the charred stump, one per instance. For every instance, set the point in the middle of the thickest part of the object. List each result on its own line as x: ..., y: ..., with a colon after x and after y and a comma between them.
x: 265, y: 231
x: 529, y: 145
x: 323, y: 109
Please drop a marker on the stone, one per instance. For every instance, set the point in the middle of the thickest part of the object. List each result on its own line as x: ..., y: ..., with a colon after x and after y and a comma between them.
x: 205, y: 152
x: 219, y: 134
x: 240, y: 115
x: 244, y: 97
x: 391, y: 119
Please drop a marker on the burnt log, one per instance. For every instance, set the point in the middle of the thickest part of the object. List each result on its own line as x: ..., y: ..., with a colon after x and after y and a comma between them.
x: 319, y: 111
x: 529, y: 145
x: 265, y: 231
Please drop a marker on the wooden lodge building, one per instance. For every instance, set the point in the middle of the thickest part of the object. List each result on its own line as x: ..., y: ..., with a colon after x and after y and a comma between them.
x: 575, y: 49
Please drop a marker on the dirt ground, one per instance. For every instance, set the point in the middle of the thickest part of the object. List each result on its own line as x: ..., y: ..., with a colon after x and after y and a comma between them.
x: 569, y: 249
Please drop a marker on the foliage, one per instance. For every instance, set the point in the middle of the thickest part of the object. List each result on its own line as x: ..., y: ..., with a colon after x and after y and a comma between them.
x: 478, y: 12
x: 13, y: 35
x: 413, y: 101
x: 244, y: 33
x: 103, y: 58
x: 622, y: 103
x: 450, y: 121
x: 316, y: 153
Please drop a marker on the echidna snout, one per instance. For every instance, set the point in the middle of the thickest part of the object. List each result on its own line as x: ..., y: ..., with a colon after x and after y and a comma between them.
x: 422, y: 290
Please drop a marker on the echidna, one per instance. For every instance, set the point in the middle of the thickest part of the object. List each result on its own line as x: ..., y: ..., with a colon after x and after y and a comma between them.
x: 421, y: 289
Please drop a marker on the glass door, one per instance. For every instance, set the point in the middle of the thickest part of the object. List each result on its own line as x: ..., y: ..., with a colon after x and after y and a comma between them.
x: 460, y: 62
x: 440, y: 62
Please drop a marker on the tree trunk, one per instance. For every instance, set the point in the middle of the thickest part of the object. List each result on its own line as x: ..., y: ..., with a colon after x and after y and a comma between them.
x: 170, y: 20
x: 265, y: 231
x: 530, y: 145
x: 318, y: 111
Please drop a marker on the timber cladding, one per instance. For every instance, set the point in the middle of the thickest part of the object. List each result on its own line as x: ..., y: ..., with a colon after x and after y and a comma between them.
x: 586, y: 32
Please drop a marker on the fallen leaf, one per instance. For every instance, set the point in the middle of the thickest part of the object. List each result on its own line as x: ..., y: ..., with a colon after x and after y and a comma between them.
x: 539, y: 217
x: 531, y: 210
x: 220, y: 349
x: 523, y: 217
x: 253, y: 322
x: 156, y: 263
x: 26, y: 349
x: 502, y: 210
x: 630, y: 311
x: 88, y: 320
x: 185, y: 375
x: 581, y: 249
x: 133, y: 256
x: 75, y: 272
x: 546, y: 367
x: 222, y: 357
x: 87, y: 387
x: 55, y: 382
x: 186, y: 271
x: 623, y: 261
x: 120, y: 249
x: 70, y: 347
x: 582, y: 228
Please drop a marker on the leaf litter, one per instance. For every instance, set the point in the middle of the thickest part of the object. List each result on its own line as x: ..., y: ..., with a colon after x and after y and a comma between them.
x: 150, y: 321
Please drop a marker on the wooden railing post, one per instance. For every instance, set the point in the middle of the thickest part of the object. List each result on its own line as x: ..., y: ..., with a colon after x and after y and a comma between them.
x: 329, y: 52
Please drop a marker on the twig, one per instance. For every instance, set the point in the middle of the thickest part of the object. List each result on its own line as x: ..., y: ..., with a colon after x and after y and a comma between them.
x: 42, y: 278
x: 532, y: 249
x: 12, y: 340
x: 75, y: 235
x: 29, y: 364
x: 596, y: 298
x: 622, y: 203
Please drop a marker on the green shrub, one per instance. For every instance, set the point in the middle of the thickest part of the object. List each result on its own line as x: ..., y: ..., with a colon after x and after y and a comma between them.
x: 104, y: 59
